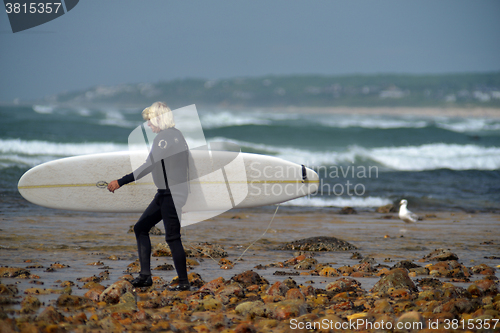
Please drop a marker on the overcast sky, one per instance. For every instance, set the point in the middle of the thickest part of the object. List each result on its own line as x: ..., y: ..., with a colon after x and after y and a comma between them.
x: 108, y: 42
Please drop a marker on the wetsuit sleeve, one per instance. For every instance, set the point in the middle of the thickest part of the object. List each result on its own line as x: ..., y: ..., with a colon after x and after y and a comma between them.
x: 126, y: 179
x: 155, y: 156
x: 140, y: 172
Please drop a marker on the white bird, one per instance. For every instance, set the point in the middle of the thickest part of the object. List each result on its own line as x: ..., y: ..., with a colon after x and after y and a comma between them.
x: 405, y: 214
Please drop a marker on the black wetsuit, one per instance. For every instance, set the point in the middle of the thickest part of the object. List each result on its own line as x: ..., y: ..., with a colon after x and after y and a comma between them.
x: 168, y: 163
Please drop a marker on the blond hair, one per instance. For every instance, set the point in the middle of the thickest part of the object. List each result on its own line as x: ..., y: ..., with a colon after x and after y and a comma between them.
x: 160, y: 115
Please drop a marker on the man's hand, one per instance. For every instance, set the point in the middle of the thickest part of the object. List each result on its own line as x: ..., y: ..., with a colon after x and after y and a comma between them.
x: 113, y: 186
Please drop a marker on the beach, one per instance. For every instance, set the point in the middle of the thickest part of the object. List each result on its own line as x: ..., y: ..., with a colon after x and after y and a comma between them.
x: 66, y: 270
x: 91, y: 244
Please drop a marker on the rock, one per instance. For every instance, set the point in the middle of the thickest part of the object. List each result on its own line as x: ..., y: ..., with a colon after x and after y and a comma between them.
x: 8, y: 325
x: 251, y: 309
x: 209, y: 303
x: 277, y: 289
x: 164, y: 267
x: 290, y: 283
x: 192, y: 262
x: 194, y: 279
x: 245, y: 328
x: 389, y: 208
x: 155, y: 302
x: 14, y: 272
x: 329, y: 271
x: 452, y: 291
x: 347, y: 211
x: 306, y: 264
x: 430, y: 295
x: 484, y: 287
x: 397, y: 279
x: 213, y: 285
x: 30, y: 304
x: 287, y: 309
x: 8, y: 290
x: 321, y: 243
x: 410, y: 322
x: 249, y: 278
x: 284, y: 273
x: 294, y: 293
x: 127, y: 304
x: 382, y: 306
x: 140, y: 316
x: 155, y: 231
x: 6, y: 300
x: 420, y: 270
x: 431, y: 283
x: 440, y: 255
x: 207, y: 250
x: 226, y: 264
x: 110, y: 324
x: 58, y: 265
x: 50, y: 315
x: 113, y: 293
x: 66, y: 300
x: 457, y: 306
x: 483, y: 269
x: 343, y: 285
x: 93, y: 285
x: 202, y: 250
x: 366, y: 267
x: 346, y: 270
x: 405, y: 264
x: 67, y: 284
x: 231, y: 290
x: 296, y: 260
x: 93, y: 294
x: 368, y: 260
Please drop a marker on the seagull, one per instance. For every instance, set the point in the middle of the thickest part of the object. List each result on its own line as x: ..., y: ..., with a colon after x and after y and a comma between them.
x: 405, y: 214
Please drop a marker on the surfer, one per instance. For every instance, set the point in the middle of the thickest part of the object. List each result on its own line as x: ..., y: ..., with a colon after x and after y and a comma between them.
x: 168, y: 163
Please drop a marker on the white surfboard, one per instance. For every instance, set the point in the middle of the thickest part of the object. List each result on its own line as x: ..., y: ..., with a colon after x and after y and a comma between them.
x: 249, y: 180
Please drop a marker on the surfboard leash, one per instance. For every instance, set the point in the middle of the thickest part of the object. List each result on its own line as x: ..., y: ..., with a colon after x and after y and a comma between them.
x: 249, y: 246
x: 265, y: 231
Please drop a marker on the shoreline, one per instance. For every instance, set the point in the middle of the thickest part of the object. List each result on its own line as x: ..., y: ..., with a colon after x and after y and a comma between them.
x: 474, y: 112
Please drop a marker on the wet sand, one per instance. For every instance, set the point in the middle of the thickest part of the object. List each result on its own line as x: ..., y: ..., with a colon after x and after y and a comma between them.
x: 78, y: 239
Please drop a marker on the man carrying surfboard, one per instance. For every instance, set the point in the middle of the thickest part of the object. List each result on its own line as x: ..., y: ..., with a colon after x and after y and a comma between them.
x: 168, y: 163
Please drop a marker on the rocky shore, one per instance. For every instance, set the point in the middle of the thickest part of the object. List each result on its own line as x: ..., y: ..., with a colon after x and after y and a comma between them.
x: 248, y: 302
x: 375, y: 275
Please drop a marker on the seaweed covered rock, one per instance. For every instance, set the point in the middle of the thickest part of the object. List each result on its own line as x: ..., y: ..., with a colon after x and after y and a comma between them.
x: 321, y: 243
x: 249, y: 278
x: 440, y: 255
x: 14, y: 272
x: 202, y: 250
x: 397, y: 279
x: 113, y: 293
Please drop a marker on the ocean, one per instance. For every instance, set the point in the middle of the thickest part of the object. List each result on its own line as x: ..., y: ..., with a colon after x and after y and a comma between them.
x: 364, y: 161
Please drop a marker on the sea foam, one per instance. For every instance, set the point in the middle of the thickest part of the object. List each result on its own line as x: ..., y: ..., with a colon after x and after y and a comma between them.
x: 354, y: 201
x: 405, y: 158
x: 220, y: 119
x: 16, y: 152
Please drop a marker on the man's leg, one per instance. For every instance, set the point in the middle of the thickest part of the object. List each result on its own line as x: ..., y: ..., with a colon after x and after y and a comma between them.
x: 148, y: 219
x: 172, y: 224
